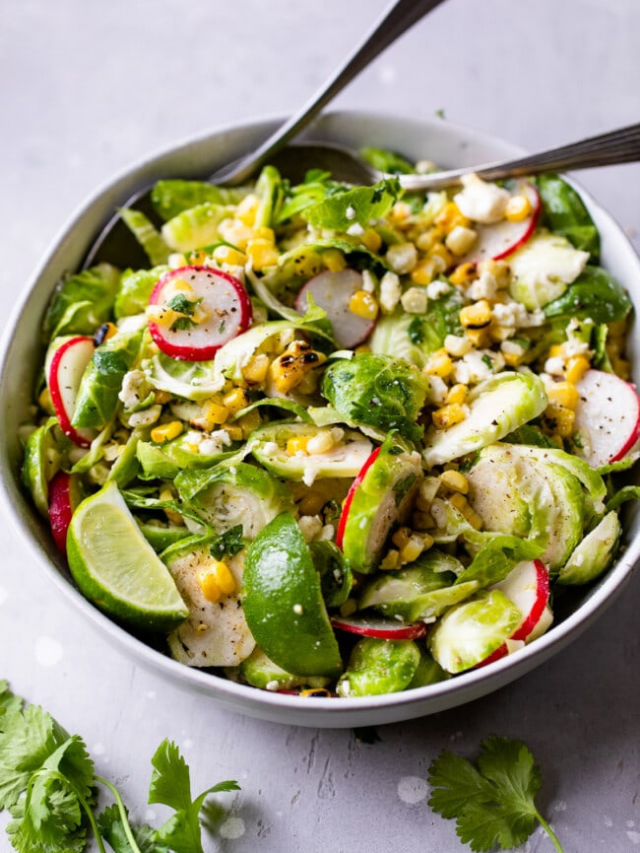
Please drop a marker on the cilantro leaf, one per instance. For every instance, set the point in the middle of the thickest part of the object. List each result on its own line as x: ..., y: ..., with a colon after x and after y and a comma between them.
x: 493, y: 803
x: 171, y: 786
x: 112, y: 830
x: 360, y: 205
x: 9, y: 704
x: 230, y: 543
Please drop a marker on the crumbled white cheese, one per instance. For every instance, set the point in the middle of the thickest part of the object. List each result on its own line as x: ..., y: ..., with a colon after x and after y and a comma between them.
x: 481, y: 201
x: 327, y: 533
x: 438, y: 390
x: 215, y: 442
x: 270, y: 447
x: 457, y: 345
x: 368, y: 281
x: 414, y: 300
x: 477, y: 366
x: 355, y: 230
x: 350, y: 212
x: 390, y: 292
x: 554, y: 366
x: 485, y: 287
x: 402, y: 257
x: 134, y: 388
x: 437, y: 289
x: 309, y: 476
x: 310, y: 527
x: 146, y: 417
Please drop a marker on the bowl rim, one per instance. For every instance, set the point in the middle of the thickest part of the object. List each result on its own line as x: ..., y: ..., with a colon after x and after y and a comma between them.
x: 267, y: 704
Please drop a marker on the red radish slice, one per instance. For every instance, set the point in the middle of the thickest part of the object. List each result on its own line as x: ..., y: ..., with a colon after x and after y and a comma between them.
x: 62, y: 502
x: 347, y: 502
x: 501, y: 239
x: 224, y: 306
x: 333, y: 291
x: 527, y: 586
x: 66, y: 370
x: 607, y: 418
x: 381, y: 629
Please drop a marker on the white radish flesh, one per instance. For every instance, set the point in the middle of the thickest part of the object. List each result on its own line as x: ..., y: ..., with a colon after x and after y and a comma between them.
x: 66, y: 369
x: 333, y: 292
x: 607, y: 418
x: 381, y: 629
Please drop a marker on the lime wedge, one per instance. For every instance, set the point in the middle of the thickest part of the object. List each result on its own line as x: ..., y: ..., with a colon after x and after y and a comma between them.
x: 283, y: 604
x: 117, y: 569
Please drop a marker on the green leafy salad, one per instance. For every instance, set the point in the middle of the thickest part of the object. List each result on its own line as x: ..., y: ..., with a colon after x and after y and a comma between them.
x: 336, y: 439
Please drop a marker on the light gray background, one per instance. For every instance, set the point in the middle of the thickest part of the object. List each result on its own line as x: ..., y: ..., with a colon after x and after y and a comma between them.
x: 87, y: 88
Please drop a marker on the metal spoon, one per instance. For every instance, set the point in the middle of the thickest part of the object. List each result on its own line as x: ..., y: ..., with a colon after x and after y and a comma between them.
x: 116, y: 244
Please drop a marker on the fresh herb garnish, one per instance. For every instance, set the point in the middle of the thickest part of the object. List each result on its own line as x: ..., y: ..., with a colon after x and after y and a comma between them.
x: 487, y: 360
x: 229, y: 544
x: 187, y: 307
x: 493, y: 803
x: 48, y: 785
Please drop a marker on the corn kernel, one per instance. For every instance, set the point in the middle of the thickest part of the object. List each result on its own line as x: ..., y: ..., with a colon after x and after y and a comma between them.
x: 400, y: 211
x: 476, y: 316
x: 457, y: 394
x: 463, y: 274
x: 256, y: 370
x: 512, y: 359
x: 197, y: 258
x: 518, y: 208
x: 249, y: 422
x: 472, y: 517
x: 427, y: 239
x: 362, y: 348
x: 412, y: 550
x: 560, y: 420
x: 236, y: 232
x: 455, y: 482
x: 322, y: 442
x: 234, y: 432
x: 235, y: 400
x: 364, y: 305
x: 334, y: 260
x: 439, y: 364
x: 460, y: 239
x: 450, y: 216
x: 44, y: 400
x: 297, y: 444
x: 556, y: 351
x: 447, y: 416
x: 262, y: 253
x: 229, y: 255
x: 564, y: 394
x: 215, y: 580
x: 424, y: 272
x: 371, y: 240
x: 423, y: 521
x: 161, y: 315
x: 213, y: 414
x: 576, y: 368
x: 391, y: 560
x: 166, y: 432
x: 247, y: 209
x: 480, y: 338
x: 401, y: 537
x: 458, y: 500
x: 161, y: 397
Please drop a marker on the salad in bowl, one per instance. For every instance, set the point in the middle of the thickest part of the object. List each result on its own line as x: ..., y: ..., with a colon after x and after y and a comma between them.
x: 339, y: 441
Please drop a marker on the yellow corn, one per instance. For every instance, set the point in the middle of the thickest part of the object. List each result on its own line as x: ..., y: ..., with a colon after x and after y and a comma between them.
x: 391, y: 560
x: 518, y: 208
x: 427, y: 239
x: 401, y: 537
x: 457, y: 394
x: 576, y: 368
x: 400, y: 211
x: 364, y: 305
x: 560, y: 420
x: 472, y: 517
x: 450, y: 216
x: 229, y: 255
x: 166, y: 432
x: 480, y: 338
x: 296, y: 362
x: 234, y: 432
x: 439, y: 250
x: 458, y: 500
x: 412, y: 550
x: 249, y: 422
x: 334, y: 260
x: 247, y: 209
x: 162, y: 315
x: 236, y: 232
x: 371, y: 240
x: 513, y: 359
x: 297, y: 444
x: 463, y: 274
x: 215, y: 580
x: 476, y: 316
x: 439, y: 364
x: 256, y: 370
x: 235, y: 400
x: 213, y: 414
x: 197, y: 258
x: 161, y: 397
x: 455, y: 482
x: 447, y: 416
x: 556, y: 351
x: 321, y: 442
x: 564, y: 394
x: 424, y: 272
x: 44, y: 400
x: 176, y: 285
x: 423, y: 521
x: 262, y: 253
x: 166, y: 494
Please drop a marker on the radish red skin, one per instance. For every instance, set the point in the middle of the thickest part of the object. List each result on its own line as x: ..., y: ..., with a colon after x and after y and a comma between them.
x: 347, y: 503
x: 381, y: 630
x: 80, y: 437
x: 206, y: 352
x: 60, y: 509
x: 592, y: 420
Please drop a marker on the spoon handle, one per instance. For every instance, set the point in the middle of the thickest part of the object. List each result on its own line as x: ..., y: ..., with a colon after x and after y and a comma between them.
x: 606, y: 149
x: 395, y: 20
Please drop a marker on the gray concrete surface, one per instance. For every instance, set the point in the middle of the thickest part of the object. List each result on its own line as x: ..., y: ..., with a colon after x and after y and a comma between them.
x: 86, y: 89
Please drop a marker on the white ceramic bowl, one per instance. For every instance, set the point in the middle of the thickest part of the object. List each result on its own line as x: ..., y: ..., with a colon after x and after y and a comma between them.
x: 446, y: 144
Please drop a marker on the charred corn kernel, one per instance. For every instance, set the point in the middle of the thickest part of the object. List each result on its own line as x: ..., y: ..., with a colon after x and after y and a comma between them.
x: 423, y: 521
x: 312, y: 503
x: 236, y: 232
x: 297, y: 444
x: 229, y: 255
x: 247, y: 209
x: 480, y: 338
x: 391, y: 559
x: 364, y: 305
x: 104, y: 332
x: 518, y: 208
x: 401, y: 537
x: 262, y: 253
x: 400, y: 211
x: 350, y: 606
x: 315, y: 691
x: 412, y: 550
x: 256, y: 370
x: 296, y: 362
x: 213, y: 414
x: 235, y: 400
x: 321, y: 442
x: 424, y: 272
x: 457, y: 394
x: 439, y: 364
x: 450, y: 216
x: 161, y: 397
x: 560, y: 420
x: 371, y: 240
x: 576, y: 368
x: 460, y: 239
x: 463, y: 274
x: 166, y: 432
x: 334, y: 260
x: 476, y: 316
x: 455, y: 482
x: 447, y: 416
x: 564, y: 394
x: 233, y: 431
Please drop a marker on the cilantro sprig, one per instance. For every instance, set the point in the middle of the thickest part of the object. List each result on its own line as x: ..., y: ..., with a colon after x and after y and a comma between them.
x: 492, y: 803
x: 187, y: 308
x: 49, y: 786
